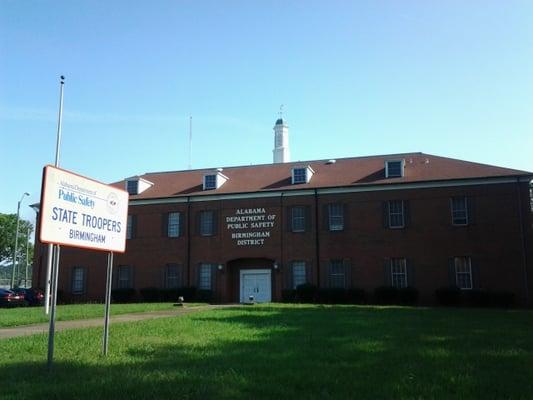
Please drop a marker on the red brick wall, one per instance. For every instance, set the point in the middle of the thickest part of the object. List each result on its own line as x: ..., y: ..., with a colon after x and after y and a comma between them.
x: 497, y: 240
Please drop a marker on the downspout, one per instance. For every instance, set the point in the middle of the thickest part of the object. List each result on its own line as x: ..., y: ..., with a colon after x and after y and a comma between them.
x: 317, y: 242
x: 282, y: 229
x: 188, y: 241
x: 524, y: 254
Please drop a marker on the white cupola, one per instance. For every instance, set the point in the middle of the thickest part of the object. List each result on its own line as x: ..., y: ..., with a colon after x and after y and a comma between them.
x: 281, y: 142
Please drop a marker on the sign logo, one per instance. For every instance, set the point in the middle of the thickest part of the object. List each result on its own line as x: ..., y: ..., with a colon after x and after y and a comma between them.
x: 112, y: 203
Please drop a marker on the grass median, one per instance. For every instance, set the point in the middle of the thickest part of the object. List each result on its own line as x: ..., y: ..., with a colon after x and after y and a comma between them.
x: 33, y: 315
x: 285, y: 352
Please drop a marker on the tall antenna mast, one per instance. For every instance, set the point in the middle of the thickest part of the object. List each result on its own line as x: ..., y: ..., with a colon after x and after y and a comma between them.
x: 190, y: 141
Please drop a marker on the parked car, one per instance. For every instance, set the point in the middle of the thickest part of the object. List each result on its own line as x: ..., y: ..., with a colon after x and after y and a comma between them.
x: 32, y: 296
x: 9, y: 298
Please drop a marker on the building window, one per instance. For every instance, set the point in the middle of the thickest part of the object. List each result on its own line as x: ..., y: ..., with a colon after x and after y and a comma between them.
x: 399, y: 272
x: 207, y: 223
x: 124, y: 277
x: 173, y: 228
x: 171, y: 276
x: 210, y: 182
x: 463, y: 272
x: 129, y: 227
x: 459, y: 211
x: 204, y: 282
x: 336, y: 217
x: 298, y: 274
x: 78, y: 280
x: 298, y: 219
x: 132, y: 187
x: 394, y: 169
x: 336, y: 274
x: 299, y: 175
x: 396, y: 214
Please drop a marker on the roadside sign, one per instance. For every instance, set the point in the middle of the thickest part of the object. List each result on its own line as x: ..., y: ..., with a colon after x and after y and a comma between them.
x: 81, y: 212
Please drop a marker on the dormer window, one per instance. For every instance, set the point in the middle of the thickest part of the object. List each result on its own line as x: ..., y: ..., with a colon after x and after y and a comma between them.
x: 394, y: 168
x: 137, y: 185
x: 214, y: 181
x: 132, y: 187
x: 210, y: 182
x: 302, y: 175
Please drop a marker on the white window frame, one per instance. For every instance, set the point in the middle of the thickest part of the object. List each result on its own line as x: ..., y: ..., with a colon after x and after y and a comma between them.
x: 402, y: 167
x: 173, y: 224
x: 337, y: 275
x: 299, y: 274
x: 457, y: 214
x: 336, y: 222
x: 391, y: 204
x: 205, y: 277
x: 463, y: 266
x: 204, y: 223
x: 75, y: 289
x: 300, y: 218
x: 398, y: 269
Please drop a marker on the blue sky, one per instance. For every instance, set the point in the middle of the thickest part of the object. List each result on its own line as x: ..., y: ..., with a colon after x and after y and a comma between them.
x: 356, y: 78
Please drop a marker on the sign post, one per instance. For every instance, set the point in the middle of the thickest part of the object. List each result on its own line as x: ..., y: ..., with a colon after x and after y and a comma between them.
x: 83, y: 213
x: 105, y: 344
x: 53, y: 287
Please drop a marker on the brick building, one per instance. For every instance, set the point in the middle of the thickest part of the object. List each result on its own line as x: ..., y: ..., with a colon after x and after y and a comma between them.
x: 399, y: 220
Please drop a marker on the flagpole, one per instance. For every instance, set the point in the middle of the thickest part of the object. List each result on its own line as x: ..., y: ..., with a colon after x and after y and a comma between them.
x: 50, y: 255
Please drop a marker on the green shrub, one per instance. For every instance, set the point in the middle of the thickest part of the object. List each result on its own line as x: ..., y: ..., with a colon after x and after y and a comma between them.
x: 150, y: 294
x: 333, y: 296
x: 408, y: 296
x: 455, y: 297
x: 204, y: 296
x: 356, y: 296
x: 166, y: 295
x: 123, y: 295
x: 188, y: 293
x: 288, y: 295
x: 306, y: 293
x: 386, y: 295
x: 449, y: 296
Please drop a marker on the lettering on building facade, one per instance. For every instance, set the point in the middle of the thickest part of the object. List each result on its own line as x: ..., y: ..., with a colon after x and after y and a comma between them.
x: 250, y: 226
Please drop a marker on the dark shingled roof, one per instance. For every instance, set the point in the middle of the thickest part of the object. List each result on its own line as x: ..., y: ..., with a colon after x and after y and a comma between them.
x: 356, y: 171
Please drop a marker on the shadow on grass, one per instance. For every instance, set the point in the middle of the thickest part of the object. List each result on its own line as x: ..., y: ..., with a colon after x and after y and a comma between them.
x: 296, y: 352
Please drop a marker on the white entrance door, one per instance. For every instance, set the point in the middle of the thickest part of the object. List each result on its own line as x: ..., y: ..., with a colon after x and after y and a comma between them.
x: 256, y: 283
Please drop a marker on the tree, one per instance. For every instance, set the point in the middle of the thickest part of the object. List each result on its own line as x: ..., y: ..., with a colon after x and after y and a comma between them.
x: 8, y: 224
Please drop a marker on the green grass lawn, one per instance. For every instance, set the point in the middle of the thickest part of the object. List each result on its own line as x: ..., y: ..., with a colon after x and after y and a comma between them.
x: 34, y: 315
x: 285, y: 352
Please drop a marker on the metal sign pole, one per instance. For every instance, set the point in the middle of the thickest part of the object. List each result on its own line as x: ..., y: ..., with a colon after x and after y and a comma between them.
x: 51, y: 330
x: 49, y: 263
x: 105, y: 345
